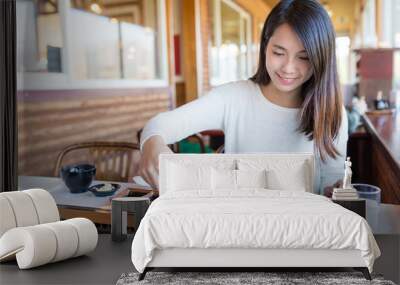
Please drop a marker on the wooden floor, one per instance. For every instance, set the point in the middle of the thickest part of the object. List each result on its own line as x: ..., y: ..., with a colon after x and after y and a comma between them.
x: 103, y: 266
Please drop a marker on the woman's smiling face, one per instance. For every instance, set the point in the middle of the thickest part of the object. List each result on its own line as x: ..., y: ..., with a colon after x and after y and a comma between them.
x: 287, y: 61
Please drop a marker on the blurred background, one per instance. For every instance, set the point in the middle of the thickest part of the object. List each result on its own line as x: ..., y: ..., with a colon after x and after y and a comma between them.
x: 98, y: 70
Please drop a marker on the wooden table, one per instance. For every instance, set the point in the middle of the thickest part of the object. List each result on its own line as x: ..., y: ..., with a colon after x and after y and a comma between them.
x: 87, y: 205
x: 386, y: 128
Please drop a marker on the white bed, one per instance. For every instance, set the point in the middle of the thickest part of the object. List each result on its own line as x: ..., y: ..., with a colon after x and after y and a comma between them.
x: 227, y: 211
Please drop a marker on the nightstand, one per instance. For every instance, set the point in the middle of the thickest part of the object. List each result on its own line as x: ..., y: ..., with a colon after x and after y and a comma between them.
x: 357, y: 206
x: 121, y: 206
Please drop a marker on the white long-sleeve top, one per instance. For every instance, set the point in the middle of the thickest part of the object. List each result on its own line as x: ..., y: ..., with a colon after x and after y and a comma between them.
x: 251, y: 123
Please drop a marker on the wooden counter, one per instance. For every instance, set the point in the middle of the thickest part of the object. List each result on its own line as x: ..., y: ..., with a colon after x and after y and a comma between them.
x: 384, y: 154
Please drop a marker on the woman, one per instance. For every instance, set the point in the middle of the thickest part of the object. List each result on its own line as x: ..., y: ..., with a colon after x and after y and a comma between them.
x: 292, y: 104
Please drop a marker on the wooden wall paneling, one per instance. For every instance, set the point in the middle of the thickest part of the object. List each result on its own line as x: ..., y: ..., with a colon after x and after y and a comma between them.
x: 378, y: 20
x: 205, y: 40
x: 180, y: 93
x: 71, y: 104
x: 170, y: 45
x: 189, y: 49
x: 47, y: 125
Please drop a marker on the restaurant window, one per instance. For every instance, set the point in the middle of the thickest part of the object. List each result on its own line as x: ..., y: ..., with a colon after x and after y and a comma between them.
x: 91, y: 44
x: 368, y: 24
x: 343, y: 58
x: 39, y: 36
x: 230, y: 57
x: 110, y: 39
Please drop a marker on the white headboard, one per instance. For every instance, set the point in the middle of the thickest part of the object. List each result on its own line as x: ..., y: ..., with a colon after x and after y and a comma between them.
x: 275, y: 161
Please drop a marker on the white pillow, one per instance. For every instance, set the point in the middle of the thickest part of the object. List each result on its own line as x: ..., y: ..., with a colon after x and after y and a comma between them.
x: 293, y: 179
x: 251, y: 178
x: 223, y: 179
x: 181, y: 177
x: 236, y: 179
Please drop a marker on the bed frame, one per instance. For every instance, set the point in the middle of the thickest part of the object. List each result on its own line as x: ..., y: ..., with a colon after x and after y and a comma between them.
x: 242, y: 259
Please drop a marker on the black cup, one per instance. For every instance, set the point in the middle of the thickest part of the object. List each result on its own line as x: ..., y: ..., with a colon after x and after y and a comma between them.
x: 78, y: 177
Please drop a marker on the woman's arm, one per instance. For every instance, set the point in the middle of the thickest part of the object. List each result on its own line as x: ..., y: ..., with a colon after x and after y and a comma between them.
x: 332, y: 171
x: 204, y: 113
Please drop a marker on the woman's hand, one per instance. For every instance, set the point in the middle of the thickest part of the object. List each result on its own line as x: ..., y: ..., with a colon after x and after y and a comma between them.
x: 329, y: 189
x: 148, y: 167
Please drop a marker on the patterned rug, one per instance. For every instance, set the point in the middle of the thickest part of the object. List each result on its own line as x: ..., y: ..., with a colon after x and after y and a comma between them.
x: 230, y: 278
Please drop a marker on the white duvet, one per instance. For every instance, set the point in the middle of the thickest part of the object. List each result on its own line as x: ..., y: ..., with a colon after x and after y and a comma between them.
x: 250, y: 219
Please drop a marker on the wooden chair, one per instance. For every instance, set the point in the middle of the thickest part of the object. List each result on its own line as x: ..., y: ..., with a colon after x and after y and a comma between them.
x: 114, y: 161
x: 221, y: 149
x: 216, y: 138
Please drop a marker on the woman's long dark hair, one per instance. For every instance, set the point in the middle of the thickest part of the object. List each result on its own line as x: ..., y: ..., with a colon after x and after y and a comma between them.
x: 321, y: 112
